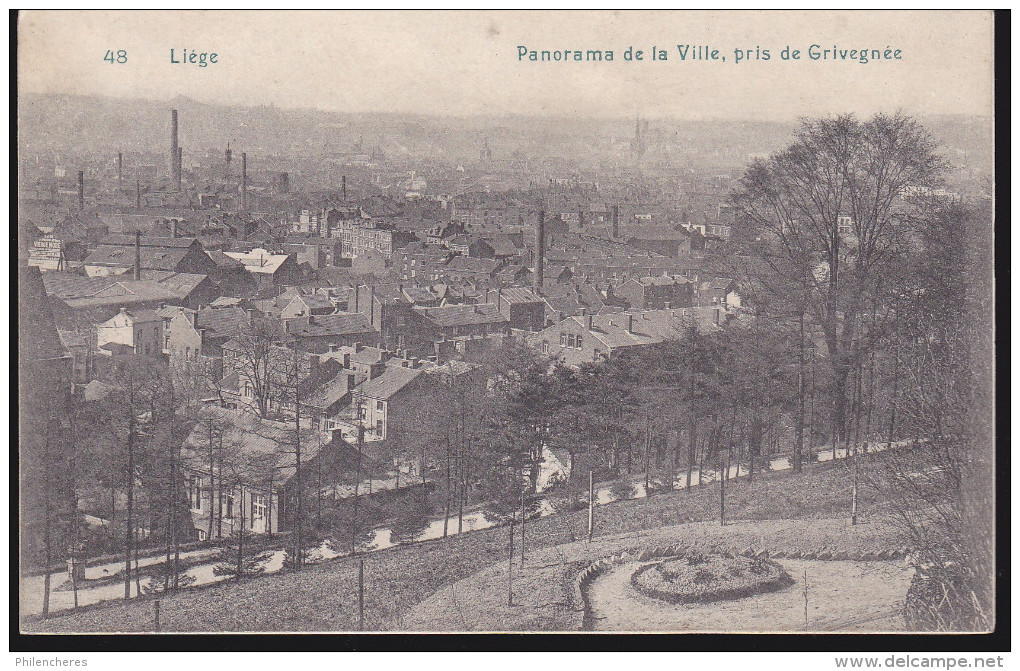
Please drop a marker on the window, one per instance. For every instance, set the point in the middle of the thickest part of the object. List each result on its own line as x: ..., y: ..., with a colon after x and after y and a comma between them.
x: 563, y: 340
x: 571, y: 340
x: 187, y: 352
x: 362, y: 414
x: 379, y: 406
x: 166, y: 342
x: 545, y: 347
x: 227, y: 506
x: 578, y: 342
x: 258, y: 508
x: 378, y: 427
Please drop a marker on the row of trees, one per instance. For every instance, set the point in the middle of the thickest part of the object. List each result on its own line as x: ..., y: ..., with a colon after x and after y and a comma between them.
x: 843, y: 232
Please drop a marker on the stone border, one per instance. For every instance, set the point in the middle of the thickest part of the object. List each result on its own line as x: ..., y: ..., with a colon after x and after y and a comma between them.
x: 579, y: 592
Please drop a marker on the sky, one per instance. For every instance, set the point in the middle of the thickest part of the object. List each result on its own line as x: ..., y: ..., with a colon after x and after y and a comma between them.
x: 466, y: 63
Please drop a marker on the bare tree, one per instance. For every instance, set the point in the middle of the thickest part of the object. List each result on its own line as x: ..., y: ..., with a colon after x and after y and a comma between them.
x: 827, y: 216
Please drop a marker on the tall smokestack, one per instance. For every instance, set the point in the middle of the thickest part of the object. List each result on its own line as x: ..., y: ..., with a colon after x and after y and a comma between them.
x: 580, y: 218
x: 120, y: 171
x: 616, y: 221
x: 138, y: 255
x: 540, y: 251
x: 81, y: 189
x: 244, y: 181
x: 138, y: 194
x: 175, y: 154
x: 180, y: 161
x: 343, y: 186
x: 284, y: 183
x: 229, y: 155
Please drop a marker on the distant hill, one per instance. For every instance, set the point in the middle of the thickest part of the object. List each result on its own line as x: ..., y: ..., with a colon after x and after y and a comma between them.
x: 81, y: 125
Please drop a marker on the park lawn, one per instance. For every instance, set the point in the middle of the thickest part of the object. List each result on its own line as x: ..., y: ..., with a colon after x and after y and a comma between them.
x: 323, y: 598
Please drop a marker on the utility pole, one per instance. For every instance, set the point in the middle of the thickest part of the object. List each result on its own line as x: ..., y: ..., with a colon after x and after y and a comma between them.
x: 357, y: 479
x: 523, y: 517
x: 724, y: 470
x: 510, y: 568
x: 591, y: 503
x: 648, y: 449
x: 805, y: 600
x: 361, y: 595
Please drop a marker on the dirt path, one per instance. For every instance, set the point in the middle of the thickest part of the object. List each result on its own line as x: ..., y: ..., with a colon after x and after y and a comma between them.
x: 843, y: 596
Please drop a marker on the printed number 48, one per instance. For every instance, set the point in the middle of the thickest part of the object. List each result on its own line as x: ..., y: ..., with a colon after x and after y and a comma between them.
x: 116, y: 57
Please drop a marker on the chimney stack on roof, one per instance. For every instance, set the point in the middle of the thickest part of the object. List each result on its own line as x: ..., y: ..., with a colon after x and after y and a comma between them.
x: 630, y: 323
x: 138, y: 255
x: 244, y: 181
x: 539, y: 252
x: 616, y: 221
x: 175, y: 152
x: 81, y: 189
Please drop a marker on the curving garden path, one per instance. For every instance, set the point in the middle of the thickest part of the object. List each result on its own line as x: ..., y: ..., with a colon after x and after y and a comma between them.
x: 842, y: 595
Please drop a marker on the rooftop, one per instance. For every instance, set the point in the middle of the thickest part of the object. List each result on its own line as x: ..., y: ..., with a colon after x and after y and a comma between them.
x: 341, y: 323
x: 463, y: 315
x: 392, y: 380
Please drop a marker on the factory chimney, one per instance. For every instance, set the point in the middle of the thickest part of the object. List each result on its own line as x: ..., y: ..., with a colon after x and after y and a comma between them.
x: 138, y: 255
x: 120, y: 171
x: 343, y: 186
x: 138, y: 194
x: 180, y: 161
x: 580, y: 218
x: 616, y: 221
x: 244, y: 181
x: 229, y: 155
x: 81, y: 190
x: 175, y: 154
x: 284, y: 183
x: 539, y: 252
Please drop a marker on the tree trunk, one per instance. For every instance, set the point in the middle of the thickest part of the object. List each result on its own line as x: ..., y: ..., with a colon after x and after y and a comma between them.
x: 212, y: 486
x: 240, y: 540
x: 692, y: 450
x: 895, y: 393
x: 449, y: 485
x: 129, y: 522
x: 798, y: 449
x: 48, y: 513
x: 299, y: 508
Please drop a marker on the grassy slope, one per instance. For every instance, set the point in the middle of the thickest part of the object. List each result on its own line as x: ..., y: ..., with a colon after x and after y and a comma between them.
x: 324, y: 597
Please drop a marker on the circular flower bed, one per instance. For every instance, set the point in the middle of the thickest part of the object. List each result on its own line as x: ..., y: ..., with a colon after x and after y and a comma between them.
x: 699, y: 578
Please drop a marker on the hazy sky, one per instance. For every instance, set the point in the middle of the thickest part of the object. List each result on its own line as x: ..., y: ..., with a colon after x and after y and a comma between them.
x: 466, y: 63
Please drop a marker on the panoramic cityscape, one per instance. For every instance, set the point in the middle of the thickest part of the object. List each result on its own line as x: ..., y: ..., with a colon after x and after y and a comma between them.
x: 297, y: 370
